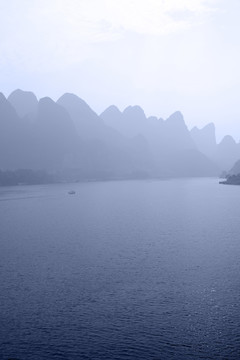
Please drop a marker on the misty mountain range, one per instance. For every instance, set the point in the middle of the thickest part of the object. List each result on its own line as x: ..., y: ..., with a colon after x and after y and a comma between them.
x: 67, y: 137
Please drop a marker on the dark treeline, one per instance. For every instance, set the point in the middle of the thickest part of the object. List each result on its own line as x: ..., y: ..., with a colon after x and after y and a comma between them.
x: 232, y: 176
x: 26, y: 177
x: 232, y: 180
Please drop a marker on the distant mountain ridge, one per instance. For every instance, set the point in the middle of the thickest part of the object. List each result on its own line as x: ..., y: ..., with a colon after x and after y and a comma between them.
x: 24, y: 102
x: 68, y: 137
x: 173, y: 149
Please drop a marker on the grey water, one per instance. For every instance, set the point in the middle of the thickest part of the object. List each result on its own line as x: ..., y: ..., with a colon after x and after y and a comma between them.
x: 120, y: 270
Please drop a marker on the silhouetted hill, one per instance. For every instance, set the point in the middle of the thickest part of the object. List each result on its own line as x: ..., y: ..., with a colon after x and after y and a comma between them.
x: 12, y: 135
x: 7, y: 111
x: 191, y: 163
x: 205, y: 139
x: 119, y: 155
x: 68, y: 137
x: 55, y: 135
x: 86, y: 121
x: 88, y: 124
x: 224, y: 154
x: 231, y: 180
x: 41, y: 144
x: 176, y: 133
x: 235, y: 170
x: 228, y: 152
x: 112, y: 117
x: 131, y: 122
x: 161, y: 135
x: 24, y: 102
x: 169, y: 141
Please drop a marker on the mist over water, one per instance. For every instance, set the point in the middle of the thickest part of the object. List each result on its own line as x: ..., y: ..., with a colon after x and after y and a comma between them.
x: 117, y: 240
x: 42, y: 141
x: 120, y: 270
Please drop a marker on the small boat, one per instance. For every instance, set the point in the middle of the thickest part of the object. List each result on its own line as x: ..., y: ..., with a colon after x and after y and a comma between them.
x: 72, y: 192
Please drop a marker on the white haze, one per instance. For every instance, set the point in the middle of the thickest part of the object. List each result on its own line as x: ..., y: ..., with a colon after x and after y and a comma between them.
x: 162, y: 55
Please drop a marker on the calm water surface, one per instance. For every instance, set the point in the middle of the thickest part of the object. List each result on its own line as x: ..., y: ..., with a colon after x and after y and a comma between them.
x: 120, y: 270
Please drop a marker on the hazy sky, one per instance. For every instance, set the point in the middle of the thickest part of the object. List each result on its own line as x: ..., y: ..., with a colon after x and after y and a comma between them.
x: 164, y: 55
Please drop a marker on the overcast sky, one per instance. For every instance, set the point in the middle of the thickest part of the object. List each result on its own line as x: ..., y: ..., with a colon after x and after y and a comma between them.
x: 164, y: 55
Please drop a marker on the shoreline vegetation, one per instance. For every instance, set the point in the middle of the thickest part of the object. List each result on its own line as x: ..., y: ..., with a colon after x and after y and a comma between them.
x: 231, y: 180
x: 25, y: 177
x: 40, y: 177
